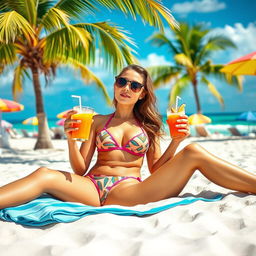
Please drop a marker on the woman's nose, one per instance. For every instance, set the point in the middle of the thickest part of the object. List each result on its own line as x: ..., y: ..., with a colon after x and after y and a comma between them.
x: 127, y: 86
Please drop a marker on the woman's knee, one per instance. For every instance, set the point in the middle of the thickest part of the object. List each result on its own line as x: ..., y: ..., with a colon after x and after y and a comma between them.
x: 192, y: 150
x: 45, y: 175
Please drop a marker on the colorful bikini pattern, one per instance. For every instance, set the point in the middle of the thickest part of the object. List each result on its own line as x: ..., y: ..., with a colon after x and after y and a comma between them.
x: 137, y: 145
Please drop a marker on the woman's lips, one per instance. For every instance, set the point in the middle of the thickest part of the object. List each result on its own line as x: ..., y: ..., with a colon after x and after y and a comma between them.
x: 125, y: 95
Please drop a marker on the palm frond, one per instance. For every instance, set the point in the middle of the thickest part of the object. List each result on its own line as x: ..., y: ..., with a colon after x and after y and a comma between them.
x: 55, y: 19
x: 76, y: 8
x: 163, y: 75
x: 12, y: 25
x: 183, y: 60
x: 160, y: 39
x: 151, y: 11
x: 19, y: 75
x: 4, y: 6
x: 111, y: 41
x: 212, y: 88
x: 26, y: 8
x: 178, y: 88
x: 219, y: 43
x: 214, y: 70
x: 7, y: 54
x: 67, y: 42
x: 89, y: 77
x: 213, y: 44
x: 236, y: 81
x: 43, y: 8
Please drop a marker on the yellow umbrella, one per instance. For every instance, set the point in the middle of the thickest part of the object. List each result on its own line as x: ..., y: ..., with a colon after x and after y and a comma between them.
x: 196, y: 119
x: 63, y: 114
x: 245, y: 65
x: 31, y: 120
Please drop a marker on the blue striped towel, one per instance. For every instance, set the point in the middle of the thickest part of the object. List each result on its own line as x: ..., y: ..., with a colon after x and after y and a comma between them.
x: 46, y: 210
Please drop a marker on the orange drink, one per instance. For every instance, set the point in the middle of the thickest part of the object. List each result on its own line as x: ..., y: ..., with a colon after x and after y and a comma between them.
x: 85, y: 115
x: 172, y: 116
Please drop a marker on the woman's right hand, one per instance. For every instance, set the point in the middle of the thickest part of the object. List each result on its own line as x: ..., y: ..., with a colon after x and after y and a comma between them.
x: 68, y: 124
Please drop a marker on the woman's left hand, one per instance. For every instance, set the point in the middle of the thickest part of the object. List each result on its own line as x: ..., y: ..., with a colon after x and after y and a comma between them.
x: 183, y: 128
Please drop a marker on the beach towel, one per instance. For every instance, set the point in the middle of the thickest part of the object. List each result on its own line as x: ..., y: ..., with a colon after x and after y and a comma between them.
x: 47, y: 210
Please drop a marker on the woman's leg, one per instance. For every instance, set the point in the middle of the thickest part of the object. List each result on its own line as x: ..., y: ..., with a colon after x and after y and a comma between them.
x: 170, y: 179
x: 63, y: 185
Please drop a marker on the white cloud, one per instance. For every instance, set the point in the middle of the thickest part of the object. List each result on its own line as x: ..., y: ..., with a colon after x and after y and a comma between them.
x: 61, y: 80
x: 242, y: 36
x: 6, y: 79
x: 203, y: 6
x: 154, y: 60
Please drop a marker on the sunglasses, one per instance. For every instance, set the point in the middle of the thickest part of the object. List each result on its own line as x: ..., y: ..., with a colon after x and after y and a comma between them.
x: 122, y: 82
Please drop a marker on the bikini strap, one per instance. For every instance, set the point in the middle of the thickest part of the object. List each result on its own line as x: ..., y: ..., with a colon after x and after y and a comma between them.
x: 109, y: 120
x: 140, y: 125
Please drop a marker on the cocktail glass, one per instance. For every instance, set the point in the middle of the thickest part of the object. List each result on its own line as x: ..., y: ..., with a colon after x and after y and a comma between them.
x: 173, y: 114
x: 84, y: 114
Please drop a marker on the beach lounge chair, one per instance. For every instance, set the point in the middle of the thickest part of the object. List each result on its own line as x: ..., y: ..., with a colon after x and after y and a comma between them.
x: 13, y: 133
x: 58, y: 133
x: 234, y: 131
x: 201, y: 131
x: 26, y: 134
x: 4, y: 139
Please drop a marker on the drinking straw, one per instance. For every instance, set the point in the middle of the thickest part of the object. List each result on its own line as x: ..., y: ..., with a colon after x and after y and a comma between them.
x: 80, y: 101
x: 176, y: 102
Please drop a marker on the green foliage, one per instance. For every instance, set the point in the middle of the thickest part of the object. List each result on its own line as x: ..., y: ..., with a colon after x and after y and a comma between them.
x: 42, y: 34
x: 191, y: 47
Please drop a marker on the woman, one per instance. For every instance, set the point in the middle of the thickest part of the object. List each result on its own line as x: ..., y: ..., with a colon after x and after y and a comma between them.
x: 122, y: 140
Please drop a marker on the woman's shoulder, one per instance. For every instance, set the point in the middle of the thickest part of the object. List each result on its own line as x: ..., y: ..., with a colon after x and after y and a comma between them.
x: 100, y: 120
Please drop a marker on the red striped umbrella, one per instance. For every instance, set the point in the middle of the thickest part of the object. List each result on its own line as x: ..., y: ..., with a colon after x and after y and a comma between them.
x: 245, y: 65
x: 10, y: 106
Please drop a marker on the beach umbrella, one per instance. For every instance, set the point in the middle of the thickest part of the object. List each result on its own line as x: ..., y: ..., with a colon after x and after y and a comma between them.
x: 245, y: 65
x: 61, y: 122
x: 248, y: 116
x: 63, y: 114
x: 8, y: 106
x: 196, y: 119
x: 31, y: 120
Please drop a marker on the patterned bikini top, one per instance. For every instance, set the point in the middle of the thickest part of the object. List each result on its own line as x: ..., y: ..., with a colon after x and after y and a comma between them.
x: 137, y: 145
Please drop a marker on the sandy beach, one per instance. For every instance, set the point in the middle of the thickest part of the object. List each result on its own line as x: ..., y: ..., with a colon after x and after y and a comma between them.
x: 226, y: 227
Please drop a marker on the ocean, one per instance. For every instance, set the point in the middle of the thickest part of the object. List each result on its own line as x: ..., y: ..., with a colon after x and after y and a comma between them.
x: 220, y: 124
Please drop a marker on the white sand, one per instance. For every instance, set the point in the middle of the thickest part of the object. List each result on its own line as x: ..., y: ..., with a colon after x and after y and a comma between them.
x: 226, y: 227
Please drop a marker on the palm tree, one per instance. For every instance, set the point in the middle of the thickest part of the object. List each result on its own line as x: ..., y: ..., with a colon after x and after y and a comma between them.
x: 192, y: 47
x: 40, y: 35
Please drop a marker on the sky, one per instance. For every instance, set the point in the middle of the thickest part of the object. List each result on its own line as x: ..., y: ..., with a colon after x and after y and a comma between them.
x: 233, y: 18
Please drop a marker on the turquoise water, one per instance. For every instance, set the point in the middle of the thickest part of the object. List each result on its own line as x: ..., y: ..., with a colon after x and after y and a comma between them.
x: 220, y: 123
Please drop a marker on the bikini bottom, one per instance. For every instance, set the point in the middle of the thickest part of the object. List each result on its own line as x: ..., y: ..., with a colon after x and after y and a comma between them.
x: 105, y: 183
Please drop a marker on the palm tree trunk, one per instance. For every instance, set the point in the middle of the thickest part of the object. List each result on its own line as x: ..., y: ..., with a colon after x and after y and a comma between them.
x: 198, y: 105
x: 43, y: 139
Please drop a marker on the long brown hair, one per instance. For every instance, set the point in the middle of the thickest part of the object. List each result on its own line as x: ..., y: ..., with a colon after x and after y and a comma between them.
x: 145, y: 109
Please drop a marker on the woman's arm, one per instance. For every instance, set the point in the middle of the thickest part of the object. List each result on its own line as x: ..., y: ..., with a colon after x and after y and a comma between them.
x: 154, y: 157
x: 80, y: 159
x: 155, y: 160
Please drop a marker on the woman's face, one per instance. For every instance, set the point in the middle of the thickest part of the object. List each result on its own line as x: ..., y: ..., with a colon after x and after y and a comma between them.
x: 126, y: 95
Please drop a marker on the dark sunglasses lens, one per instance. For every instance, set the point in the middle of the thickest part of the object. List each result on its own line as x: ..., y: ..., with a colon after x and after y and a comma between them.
x: 121, y: 81
x: 136, y: 86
